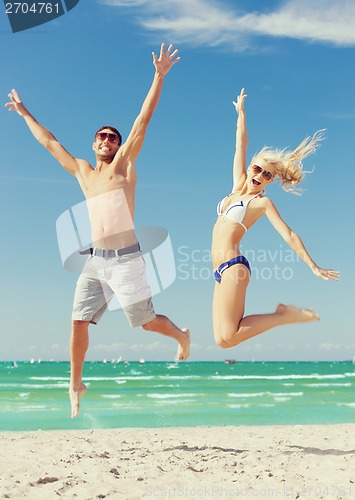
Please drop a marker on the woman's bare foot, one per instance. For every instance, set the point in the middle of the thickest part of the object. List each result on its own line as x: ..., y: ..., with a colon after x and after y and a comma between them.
x: 295, y: 314
x: 184, y: 346
x: 75, y: 397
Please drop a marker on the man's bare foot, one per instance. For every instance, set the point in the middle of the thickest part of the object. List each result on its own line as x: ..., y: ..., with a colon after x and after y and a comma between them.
x: 75, y: 397
x: 294, y: 314
x: 184, y: 346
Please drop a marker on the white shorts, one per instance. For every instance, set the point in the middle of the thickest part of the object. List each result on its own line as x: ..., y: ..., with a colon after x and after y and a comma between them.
x: 123, y: 276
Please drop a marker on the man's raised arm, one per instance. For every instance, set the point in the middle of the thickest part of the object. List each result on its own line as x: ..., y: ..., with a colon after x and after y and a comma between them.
x: 163, y: 64
x: 43, y: 136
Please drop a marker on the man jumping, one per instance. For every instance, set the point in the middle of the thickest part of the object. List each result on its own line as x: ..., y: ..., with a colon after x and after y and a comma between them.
x: 115, y: 265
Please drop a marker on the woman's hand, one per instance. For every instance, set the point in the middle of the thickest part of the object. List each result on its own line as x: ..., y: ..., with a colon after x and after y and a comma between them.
x: 326, y: 274
x: 15, y: 103
x: 239, y: 105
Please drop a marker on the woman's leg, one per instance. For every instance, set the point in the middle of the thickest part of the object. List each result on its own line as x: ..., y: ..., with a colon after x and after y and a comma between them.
x: 229, y: 324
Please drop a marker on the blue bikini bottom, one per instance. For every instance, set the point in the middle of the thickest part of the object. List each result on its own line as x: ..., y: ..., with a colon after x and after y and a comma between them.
x: 236, y: 260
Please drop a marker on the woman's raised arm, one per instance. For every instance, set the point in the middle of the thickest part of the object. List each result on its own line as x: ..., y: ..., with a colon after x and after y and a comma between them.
x: 241, y: 143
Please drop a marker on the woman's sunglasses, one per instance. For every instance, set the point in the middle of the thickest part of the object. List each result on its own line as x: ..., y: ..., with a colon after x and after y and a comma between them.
x: 266, y: 174
x: 102, y: 136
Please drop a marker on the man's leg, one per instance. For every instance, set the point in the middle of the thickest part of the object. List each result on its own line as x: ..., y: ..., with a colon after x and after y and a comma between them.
x: 79, y: 343
x: 162, y: 324
x: 129, y: 283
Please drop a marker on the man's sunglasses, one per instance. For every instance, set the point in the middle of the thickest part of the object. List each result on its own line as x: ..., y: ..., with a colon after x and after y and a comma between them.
x: 111, y: 137
x: 266, y: 174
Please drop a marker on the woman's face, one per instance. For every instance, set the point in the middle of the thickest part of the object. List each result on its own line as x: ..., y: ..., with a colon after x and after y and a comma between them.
x: 260, y: 173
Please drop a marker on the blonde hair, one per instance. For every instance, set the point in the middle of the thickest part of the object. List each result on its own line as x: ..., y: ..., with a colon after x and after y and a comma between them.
x: 288, y: 164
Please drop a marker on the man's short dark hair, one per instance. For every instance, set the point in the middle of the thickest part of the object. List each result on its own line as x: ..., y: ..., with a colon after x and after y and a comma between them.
x: 114, y: 130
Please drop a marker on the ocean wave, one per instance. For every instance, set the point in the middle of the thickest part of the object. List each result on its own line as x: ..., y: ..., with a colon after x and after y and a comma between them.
x: 125, y: 406
x: 48, y: 378
x: 168, y: 396
x: 162, y: 402
x: 166, y: 386
x: 185, y: 377
x: 33, y: 407
x: 236, y: 406
x: 118, y: 380
x: 143, y: 377
x: 36, y: 386
x: 346, y: 384
x: 266, y: 393
x: 281, y: 377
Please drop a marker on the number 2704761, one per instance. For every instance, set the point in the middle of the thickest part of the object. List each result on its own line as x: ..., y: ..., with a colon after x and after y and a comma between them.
x: 32, y: 8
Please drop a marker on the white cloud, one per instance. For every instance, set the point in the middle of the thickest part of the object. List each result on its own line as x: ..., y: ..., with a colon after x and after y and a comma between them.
x: 34, y: 179
x: 340, y: 116
x: 116, y: 346
x: 329, y: 346
x: 154, y: 346
x: 56, y: 347
x: 219, y: 23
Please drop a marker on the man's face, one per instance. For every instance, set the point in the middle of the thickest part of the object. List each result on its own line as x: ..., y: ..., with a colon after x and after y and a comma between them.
x: 106, y: 144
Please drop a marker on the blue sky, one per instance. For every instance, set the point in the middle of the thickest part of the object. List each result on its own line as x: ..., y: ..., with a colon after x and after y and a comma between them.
x: 93, y: 66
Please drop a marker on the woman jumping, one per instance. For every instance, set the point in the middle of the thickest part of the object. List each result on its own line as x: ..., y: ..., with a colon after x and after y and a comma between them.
x: 237, y: 213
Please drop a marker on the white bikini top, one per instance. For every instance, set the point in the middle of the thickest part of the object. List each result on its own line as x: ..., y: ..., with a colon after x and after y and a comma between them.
x: 236, y: 211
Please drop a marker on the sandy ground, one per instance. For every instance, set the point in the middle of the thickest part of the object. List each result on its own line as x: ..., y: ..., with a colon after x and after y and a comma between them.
x: 197, y: 462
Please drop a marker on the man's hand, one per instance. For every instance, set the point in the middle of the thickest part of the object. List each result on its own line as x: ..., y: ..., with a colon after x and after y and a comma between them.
x: 15, y: 103
x: 166, y: 60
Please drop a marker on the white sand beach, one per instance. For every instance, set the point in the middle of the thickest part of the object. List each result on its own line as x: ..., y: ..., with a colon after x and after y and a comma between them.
x: 196, y: 462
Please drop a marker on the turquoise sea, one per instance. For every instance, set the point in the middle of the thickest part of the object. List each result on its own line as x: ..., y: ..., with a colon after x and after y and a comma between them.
x: 158, y: 394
